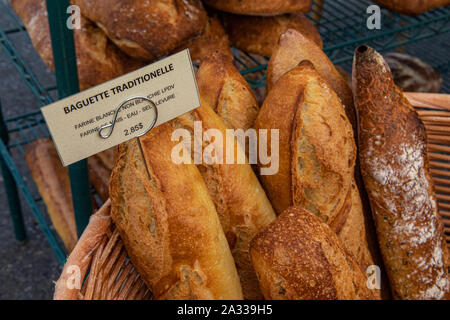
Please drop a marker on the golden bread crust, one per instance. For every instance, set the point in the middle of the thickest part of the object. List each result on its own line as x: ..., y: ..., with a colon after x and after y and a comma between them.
x: 224, y: 89
x: 146, y: 30
x: 168, y: 222
x: 260, y: 35
x: 317, y: 154
x: 293, y: 47
x: 298, y: 257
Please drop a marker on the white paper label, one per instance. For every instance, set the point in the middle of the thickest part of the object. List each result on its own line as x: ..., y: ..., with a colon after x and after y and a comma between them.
x: 74, y: 122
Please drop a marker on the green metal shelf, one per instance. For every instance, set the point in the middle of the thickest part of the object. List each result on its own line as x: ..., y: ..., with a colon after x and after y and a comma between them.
x: 342, y: 24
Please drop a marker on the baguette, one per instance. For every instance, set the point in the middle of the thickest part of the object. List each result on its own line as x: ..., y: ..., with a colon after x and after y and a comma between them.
x: 168, y: 222
x: 413, y: 7
x: 242, y: 205
x: 293, y: 47
x: 260, y: 35
x: 300, y: 258
x: 395, y: 168
x: 146, y: 30
x: 99, y: 60
x: 226, y: 91
x: 298, y: 94
x: 317, y: 156
x: 260, y: 8
x: 53, y: 183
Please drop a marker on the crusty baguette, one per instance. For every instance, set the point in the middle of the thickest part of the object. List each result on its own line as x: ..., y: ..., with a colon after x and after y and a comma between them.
x: 293, y: 47
x: 168, y: 222
x: 395, y: 168
x: 226, y: 91
x: 317, y: 155
x: 260, y: 8
x: 298, y: 257
x: 260, y: 35
x: 213, y: 39
x: 146, y: 29
x: 413, y: 7
x: 99, y: 223
x: 53, y: 183
x: 99, y: 60
x: 240, y: 201
x: 302, y: 101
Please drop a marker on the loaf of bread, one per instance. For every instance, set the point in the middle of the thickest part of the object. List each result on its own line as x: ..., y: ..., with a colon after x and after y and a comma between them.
x: 226, y: 91
x: 168, y: 222
x: 413, y: 7
x: 317, y: 155
x: 412, y: 74
x: 260, y: 7
x: 146, y: 30
x: 99, y: 60
x: 315, y: 142
x: 213, y: 39
x: 293, y: 47
x: 53, y: 183
x: 242, y: 205
x: 298, y: 257
x: 260, y: 34
x: 395, y: 169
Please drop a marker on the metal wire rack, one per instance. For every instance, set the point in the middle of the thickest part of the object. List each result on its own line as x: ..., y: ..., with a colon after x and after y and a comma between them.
x: 342, y: 24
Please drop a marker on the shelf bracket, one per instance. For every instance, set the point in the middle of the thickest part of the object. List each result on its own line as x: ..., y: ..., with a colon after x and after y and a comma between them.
x: 67, y: 80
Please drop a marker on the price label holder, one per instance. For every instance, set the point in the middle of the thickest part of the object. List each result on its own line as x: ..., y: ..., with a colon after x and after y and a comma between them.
x: 122, y: 109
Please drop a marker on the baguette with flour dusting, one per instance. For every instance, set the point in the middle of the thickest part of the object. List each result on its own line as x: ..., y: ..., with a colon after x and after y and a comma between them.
x: 395, y: 168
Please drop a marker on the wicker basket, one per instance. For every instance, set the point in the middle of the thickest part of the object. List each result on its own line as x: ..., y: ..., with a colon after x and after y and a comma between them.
x: 102, y: 261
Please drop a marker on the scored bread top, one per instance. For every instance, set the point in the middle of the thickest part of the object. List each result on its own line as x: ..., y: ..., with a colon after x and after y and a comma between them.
x: 316, y: 148
x: 293, y: 47
x: 224, y: 89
